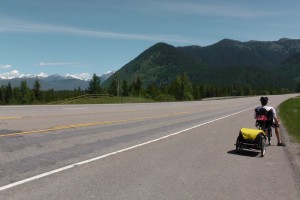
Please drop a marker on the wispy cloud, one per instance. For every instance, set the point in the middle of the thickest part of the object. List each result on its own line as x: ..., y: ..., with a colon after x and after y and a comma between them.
x: 5, y: 66
x: 13, y: 25
x: 213, y: 9
x: 46, y: 64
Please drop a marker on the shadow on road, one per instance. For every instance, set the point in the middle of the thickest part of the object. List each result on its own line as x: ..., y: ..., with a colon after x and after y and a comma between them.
x: 245, y: 153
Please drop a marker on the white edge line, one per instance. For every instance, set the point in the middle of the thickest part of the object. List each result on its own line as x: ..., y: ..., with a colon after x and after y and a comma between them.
x: 109, y: 154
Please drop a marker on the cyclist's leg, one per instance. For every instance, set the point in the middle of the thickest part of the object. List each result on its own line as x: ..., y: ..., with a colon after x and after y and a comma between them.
x: 278, y: 136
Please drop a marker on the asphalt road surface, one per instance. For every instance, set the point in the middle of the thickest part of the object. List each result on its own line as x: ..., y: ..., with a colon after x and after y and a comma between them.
x: 139, y: 151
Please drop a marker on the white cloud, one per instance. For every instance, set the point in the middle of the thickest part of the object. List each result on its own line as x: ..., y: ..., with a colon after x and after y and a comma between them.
x: 13, y: 25
x: 5, y: 66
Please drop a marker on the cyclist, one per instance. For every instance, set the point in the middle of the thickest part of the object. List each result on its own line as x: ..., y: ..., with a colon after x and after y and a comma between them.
x: 276, y: 123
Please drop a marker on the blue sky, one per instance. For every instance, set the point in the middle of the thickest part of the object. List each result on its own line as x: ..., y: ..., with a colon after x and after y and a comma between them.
x: 95, y: 36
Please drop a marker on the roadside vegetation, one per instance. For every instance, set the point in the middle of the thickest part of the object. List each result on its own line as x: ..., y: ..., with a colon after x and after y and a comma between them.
x: 103, y: 99
x: 289, y: 112
x: 120, y: 91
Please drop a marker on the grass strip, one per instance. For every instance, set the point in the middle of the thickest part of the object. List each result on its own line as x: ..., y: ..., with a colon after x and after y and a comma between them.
x: 289, y: 112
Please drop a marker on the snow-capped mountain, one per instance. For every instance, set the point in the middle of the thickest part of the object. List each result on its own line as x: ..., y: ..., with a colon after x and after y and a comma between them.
x: 84, y: 76
x: 106, y: 75
x: 54, y: 81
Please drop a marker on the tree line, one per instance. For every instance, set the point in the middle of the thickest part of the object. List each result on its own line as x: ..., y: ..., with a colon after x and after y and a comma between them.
x: 180, y: 89
x: 24, y: 95
x: 35, y: 95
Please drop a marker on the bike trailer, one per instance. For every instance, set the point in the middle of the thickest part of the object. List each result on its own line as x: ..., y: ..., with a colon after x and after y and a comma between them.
x: 251, y: 138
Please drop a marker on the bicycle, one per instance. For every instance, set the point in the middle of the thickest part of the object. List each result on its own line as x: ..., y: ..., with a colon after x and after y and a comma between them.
x: 264, y: 121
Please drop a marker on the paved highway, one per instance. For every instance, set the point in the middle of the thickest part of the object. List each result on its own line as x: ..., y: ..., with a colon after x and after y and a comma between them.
x: 139, y: 151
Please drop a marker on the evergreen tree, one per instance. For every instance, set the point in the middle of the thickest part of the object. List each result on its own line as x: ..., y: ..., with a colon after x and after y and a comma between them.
x: 25, y: 94
x: 50, y: 95
x: 248, y: 90
x: 125, y: 89
x: 8, y: 95
x: 138, y: 86
x: 37, y: 93
x: 132, y: 88
x: 176, y: 88
x: 181, y: 88
x: 298, y: 88
x: 187, y: 87
x: 152, y: 91
x: 15, y: 95
x: 2, y: 93
x: 196, y: 92
x: 94, y: 85
x: 113, y: 88
x: 206, y: 92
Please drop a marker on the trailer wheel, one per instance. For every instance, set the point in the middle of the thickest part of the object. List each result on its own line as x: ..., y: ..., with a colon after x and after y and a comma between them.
x: 239, y: 145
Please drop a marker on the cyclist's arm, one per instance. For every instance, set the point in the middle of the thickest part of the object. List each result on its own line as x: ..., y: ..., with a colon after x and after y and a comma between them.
x: 277, y: 122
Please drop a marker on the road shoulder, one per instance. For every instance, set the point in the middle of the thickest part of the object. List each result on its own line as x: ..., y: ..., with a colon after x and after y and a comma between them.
x: 292, y: 150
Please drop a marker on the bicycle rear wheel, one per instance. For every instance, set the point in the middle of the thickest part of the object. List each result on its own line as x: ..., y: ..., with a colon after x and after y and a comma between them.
x: 269, y: 133
x: 263, y: 145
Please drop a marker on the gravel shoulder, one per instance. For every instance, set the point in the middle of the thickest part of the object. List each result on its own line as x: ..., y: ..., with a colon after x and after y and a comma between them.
x: 292, y: 150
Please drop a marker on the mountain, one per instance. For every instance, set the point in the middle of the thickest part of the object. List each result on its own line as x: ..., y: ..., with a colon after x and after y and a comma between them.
x: 228, y: 62
x: 106, y: 75
x: 158, y: 64
x: 289, y: 70
x: 56, y: 82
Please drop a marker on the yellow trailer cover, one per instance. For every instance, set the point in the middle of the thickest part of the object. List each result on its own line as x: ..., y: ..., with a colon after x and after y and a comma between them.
x: 250, y: 134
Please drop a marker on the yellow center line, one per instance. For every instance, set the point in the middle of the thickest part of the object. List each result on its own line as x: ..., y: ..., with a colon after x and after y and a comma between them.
x: 59, y: 115
x: 89, y: 124
x: 7, y: 118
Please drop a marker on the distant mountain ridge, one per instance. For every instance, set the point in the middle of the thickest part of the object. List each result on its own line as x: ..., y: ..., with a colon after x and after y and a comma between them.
x: 55, y: 81
x: 228, y: 62
x: 228, y: 53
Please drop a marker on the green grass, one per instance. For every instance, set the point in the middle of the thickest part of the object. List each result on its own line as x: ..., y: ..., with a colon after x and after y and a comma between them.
x: 289, y: 112
x: 106, y: 100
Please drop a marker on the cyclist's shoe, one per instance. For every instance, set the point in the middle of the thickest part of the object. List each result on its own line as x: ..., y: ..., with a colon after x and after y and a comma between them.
x: 281, y: 144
